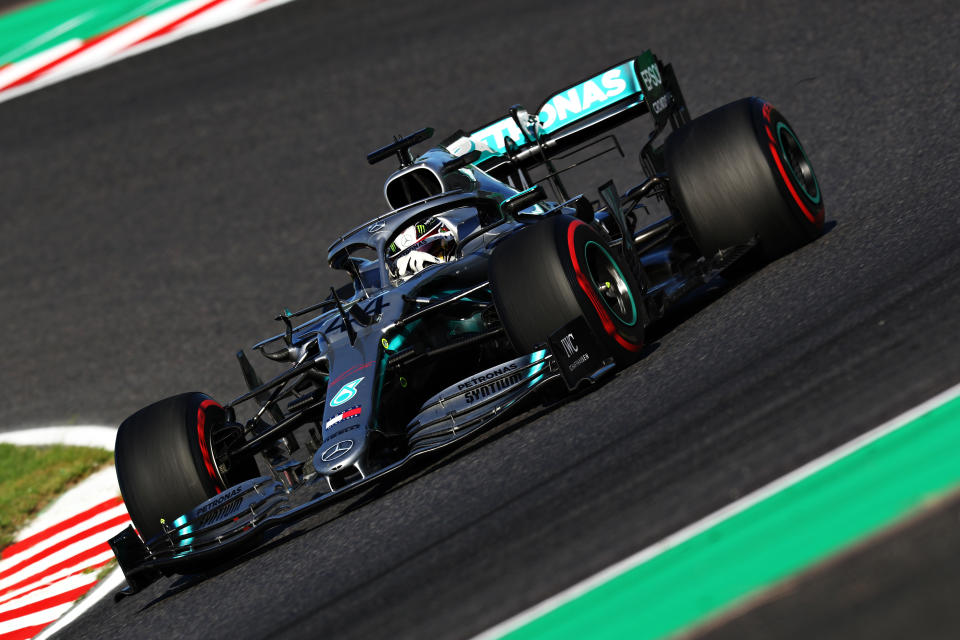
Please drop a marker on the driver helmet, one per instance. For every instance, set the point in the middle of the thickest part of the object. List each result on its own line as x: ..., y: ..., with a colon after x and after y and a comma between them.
x: 420, y: 245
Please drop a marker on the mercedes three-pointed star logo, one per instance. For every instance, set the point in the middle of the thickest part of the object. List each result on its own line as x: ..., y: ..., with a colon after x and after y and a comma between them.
x: 338, y: 450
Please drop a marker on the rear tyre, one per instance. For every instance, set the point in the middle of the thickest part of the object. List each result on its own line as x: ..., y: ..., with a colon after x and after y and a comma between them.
x: 551, y: 272
x: 165, y: 462
x: 738, y: 173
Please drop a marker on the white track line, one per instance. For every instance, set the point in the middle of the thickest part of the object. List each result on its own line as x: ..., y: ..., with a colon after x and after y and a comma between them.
x: 78, y: 436
x: 645, y: 555
x: 17, y: 70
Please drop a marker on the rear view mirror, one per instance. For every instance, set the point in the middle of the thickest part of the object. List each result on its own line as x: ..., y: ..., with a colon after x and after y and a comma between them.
x: 522, y: 200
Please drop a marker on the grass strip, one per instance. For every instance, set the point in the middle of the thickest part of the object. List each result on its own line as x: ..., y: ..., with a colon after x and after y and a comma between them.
x: 31, y: 477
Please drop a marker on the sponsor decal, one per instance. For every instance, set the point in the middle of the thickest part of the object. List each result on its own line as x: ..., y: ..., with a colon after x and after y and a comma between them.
x: 569, y: 347
x: 651, y: 76
x: 560, y: 110
x: 478, y: 393
x: 344, y: 415
x: 336, y: 451
x: 579, y: 361
x: 660, y: 104
x: 466, y: 384
x: 220, y: 499
x: 343, y: 431
x: 654, y: 93
x: 346, y: 392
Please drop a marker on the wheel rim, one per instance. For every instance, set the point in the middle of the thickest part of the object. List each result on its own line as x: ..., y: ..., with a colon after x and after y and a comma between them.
x: 797, y: 162
x: 607, y: 279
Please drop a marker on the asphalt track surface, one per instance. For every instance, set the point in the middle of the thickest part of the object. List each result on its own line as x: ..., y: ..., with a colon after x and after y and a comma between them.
x: 159, y: 212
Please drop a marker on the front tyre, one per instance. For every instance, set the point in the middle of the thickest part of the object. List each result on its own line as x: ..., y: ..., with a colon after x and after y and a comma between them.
x: 165, y: 460
x: 551, y: 272
x: 739, y: 173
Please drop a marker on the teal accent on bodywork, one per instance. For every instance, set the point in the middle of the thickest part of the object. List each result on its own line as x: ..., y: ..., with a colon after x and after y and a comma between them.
x: 471, y: 324
x: 562, y: 109
x: 633, y: 305
x: 537, y: 355
x: 393, y: 344
x: 179, y: 522
x: 514, y: 197
x: 381, y: 378
x: 397, y: 341
x: 781, y: 127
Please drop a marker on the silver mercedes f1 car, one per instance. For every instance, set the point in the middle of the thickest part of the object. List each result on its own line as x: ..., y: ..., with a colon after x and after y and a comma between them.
x: 486, y: 285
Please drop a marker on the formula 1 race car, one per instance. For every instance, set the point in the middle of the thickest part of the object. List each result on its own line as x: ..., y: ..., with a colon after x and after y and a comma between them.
x: 474, y: 295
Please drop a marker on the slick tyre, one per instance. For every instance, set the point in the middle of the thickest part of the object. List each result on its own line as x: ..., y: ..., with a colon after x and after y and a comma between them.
x: 740, y: 172
x: 547, y: 274
x: 165, y: 463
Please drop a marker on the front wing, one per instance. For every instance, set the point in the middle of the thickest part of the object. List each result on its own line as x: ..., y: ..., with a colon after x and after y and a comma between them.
x: 235, y: 520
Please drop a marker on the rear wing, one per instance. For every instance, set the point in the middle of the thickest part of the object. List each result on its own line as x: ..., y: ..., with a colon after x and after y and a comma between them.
x: 510, y: 146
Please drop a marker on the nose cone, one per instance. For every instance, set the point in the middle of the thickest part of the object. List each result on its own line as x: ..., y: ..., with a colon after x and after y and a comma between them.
x: 340, y: 452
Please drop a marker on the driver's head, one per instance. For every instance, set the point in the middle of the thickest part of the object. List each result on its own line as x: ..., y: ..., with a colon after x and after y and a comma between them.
x: 420, y: 245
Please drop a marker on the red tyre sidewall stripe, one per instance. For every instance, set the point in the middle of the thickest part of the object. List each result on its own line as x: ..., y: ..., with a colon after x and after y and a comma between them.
x: 204, y: 443
x: 815, y: 218
x: 584, y: 283
x: 793, y: 192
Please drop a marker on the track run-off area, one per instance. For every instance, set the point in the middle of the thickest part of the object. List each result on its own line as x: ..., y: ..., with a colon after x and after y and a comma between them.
x: 48, y: 42
x: 61, y: 556
x: 781, y: 529
x: 162, y: 209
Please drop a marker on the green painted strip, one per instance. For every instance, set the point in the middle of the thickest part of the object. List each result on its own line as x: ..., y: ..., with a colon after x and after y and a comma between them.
x: 41, y: 26
x: 853, y: 497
